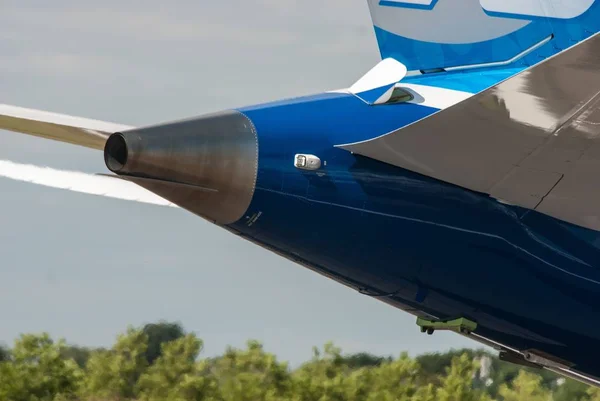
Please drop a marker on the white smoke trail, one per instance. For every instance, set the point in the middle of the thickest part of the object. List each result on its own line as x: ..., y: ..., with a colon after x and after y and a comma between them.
x: 80, y: 182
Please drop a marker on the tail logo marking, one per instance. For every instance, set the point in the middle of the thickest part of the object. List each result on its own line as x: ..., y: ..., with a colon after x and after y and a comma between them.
x: 442, y: 21
x: 468, y: 21
x: 562, y: 9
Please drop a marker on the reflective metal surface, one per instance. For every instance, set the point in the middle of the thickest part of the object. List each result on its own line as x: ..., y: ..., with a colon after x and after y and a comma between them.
x: 531, y: 140
x: 207, y: 165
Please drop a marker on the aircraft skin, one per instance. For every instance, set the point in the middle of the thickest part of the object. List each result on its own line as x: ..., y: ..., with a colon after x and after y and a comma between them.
x: 432, y: 248
x: 424, y: 246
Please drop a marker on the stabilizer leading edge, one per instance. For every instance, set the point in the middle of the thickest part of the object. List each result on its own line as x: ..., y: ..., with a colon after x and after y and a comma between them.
x: 75, y: 130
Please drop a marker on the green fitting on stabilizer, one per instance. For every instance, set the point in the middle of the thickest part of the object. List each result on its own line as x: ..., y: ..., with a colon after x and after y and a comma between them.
x: 460, y: 325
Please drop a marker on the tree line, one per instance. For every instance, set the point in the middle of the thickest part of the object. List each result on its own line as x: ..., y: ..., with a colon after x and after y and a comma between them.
x: 161, y: 362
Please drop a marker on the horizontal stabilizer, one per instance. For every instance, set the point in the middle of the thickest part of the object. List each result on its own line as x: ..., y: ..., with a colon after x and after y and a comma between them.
x: 108, y: 186
x: 59, y: 127
x: 532, y: 140
x: 377, y: 85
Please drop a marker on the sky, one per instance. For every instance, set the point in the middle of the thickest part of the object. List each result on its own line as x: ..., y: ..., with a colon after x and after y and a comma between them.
x: 84, y: 267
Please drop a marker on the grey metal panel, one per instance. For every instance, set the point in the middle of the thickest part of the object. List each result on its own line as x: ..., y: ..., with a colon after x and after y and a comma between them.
x: 526, y: 187
x: 526, y: 141
x: 576, y: 198
x: 207, y: 165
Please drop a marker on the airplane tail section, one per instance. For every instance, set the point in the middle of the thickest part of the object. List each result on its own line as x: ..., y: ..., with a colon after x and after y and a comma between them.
x: 438, y: 35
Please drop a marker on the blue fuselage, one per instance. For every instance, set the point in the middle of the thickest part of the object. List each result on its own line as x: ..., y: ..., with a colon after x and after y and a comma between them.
x: 424, y: 246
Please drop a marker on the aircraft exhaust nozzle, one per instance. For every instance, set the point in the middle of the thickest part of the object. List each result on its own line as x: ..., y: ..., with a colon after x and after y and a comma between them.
x: 207, y: 165
x: 115, y: 153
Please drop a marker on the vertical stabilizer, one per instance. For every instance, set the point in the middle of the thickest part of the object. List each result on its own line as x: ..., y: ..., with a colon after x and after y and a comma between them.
x: 436, y: 34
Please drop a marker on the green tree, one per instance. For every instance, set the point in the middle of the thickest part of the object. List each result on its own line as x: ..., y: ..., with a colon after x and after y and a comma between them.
x: 327, y: 377
x: 505, y: 372
x: 39, y: 369
x: 425, y: 393
x: 436, y: 363
x: 113, y: 374
x: 176, y: 376
x: 36, y: 371
x: 395, y: 380
x: 158, y: 334
x: 570, y: 390
x: 364, y: 360
x: 526, y: 387
x: 79, y: 354
x: 4, y: 353
x: 593, y: 393
x: 323, y: 378
x: 251, y: 375
x: 355, y: 384
x: 457, y: 385
x: 434, y: 366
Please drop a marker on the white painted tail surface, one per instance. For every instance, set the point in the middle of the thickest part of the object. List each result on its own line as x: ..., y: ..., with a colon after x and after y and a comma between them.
x: 80, y: 182
x: 377, y: 85
x: 564, y: 9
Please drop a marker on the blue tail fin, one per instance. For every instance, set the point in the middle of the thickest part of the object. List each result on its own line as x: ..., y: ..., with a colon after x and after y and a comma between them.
x: 438, y: 34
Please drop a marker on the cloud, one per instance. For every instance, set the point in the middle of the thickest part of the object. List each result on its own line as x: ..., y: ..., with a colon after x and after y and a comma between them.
x: 51, y: 63
x: 145, y: 25
x: 161, y: 45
